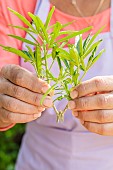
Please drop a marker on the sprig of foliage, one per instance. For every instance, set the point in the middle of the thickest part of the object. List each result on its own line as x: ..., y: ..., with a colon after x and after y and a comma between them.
x: 69, y: 63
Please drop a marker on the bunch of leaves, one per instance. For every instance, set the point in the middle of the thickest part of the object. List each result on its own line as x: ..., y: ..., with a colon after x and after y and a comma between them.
x: 69, y: 63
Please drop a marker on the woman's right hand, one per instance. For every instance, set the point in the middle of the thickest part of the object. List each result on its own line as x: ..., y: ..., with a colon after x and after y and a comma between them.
x: 20, y: 95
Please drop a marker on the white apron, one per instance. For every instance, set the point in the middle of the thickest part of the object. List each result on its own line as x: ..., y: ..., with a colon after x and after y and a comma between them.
x: 67, y: 146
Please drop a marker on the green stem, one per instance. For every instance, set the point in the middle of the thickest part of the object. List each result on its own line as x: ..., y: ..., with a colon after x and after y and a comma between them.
x: 82, y: 77
x: 51, y: 65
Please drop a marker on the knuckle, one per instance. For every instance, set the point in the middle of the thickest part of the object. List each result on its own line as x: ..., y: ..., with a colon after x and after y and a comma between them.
x: 9, y: 104
x: 83, y: 103
x: 36, y: 100
x: 83, y: 87
x: 17, y: 91
x: 102, y: 101
x: 10, y: 117
x: 17, y: 77
x: 98, y: 82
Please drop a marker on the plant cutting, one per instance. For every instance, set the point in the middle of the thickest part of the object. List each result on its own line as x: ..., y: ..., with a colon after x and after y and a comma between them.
x: 50, y: 52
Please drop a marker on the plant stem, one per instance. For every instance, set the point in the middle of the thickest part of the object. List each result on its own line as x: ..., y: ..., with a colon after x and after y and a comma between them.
x: 82, y: 77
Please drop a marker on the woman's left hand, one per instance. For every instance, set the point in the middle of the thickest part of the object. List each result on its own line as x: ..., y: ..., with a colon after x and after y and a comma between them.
x: 93, y: 104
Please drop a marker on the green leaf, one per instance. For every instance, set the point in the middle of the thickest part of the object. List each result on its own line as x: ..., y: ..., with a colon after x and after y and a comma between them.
x: 91, y: 57
x: 94, y: 37
x: 56, y: 30
x: 74, y: 55
x: 17, y: 52
x: 97, y: 57
x: 22, y: 18
x: 22, y: 39
x: 38, y: 60
x: 66, y: 63
x: 34, y: 21
x: 51, y: 76
x: 80, y: 45
x: 30, y: 52
x: 49, y: 17
x: 86, y: 42
x: 59, y: 63
x: 71, y: 68
x: 67, y: 24
x: 21, y: 28
x: 63, y: 54
x: 91, y: 48
x: 48, y: 91
x: 39, y: 25
x: 74, y: 34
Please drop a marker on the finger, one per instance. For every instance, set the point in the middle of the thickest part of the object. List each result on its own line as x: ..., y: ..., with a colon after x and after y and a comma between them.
x: 15, y: 105
x: 97, y: 116
x: 97, y: 84
x: 23, y: 94
x: 24, y: 78
x: 97, y: 102
x: 102, y: 129
x: 10, y: 117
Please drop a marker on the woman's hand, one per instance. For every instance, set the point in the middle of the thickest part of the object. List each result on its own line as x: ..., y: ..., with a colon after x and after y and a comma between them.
x: 20, y: 95
x: 93, y: 104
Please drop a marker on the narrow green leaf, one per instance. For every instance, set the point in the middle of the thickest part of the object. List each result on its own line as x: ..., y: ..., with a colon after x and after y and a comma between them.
x: 56, y: 31
x: 34, y: 21
x: 67, y: 24
x: 86, y: 42
x: 97, y: 57
x: 21, y: 28
x: 66, y: 63
x: 30, y: 52
x: 80, y: 45
x: 22, y: 39
x: 59, y: 63
x: 39, y: 25
x: 48, y: 91
x: 51, y: 76
x: 22, y: 18
x: 63, y: 54
x: 38, y: 60
x: 74, y: 34
x: 71, y: 68
x: 94, y: 37
x: 74, y: 55
x: 91, y: 48
x: 49, y: 17
x: 17, y: 52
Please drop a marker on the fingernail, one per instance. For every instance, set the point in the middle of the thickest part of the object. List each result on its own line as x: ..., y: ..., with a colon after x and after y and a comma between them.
x: 47, y: 103
x: 74, y: 94
x: 82, y: 122
x: 71, y: 105
x: 36, y: 115
x: 75, y: 113
x: 44, y: 88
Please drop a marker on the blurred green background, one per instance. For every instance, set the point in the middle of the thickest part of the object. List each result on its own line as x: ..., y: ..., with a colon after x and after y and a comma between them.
x: 9, y: 146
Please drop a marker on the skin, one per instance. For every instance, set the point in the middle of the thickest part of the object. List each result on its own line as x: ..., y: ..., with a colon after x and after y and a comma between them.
x: 85, y: 6
x: 21, y: 91
x: 94, y: 106
x: 20, y: 94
